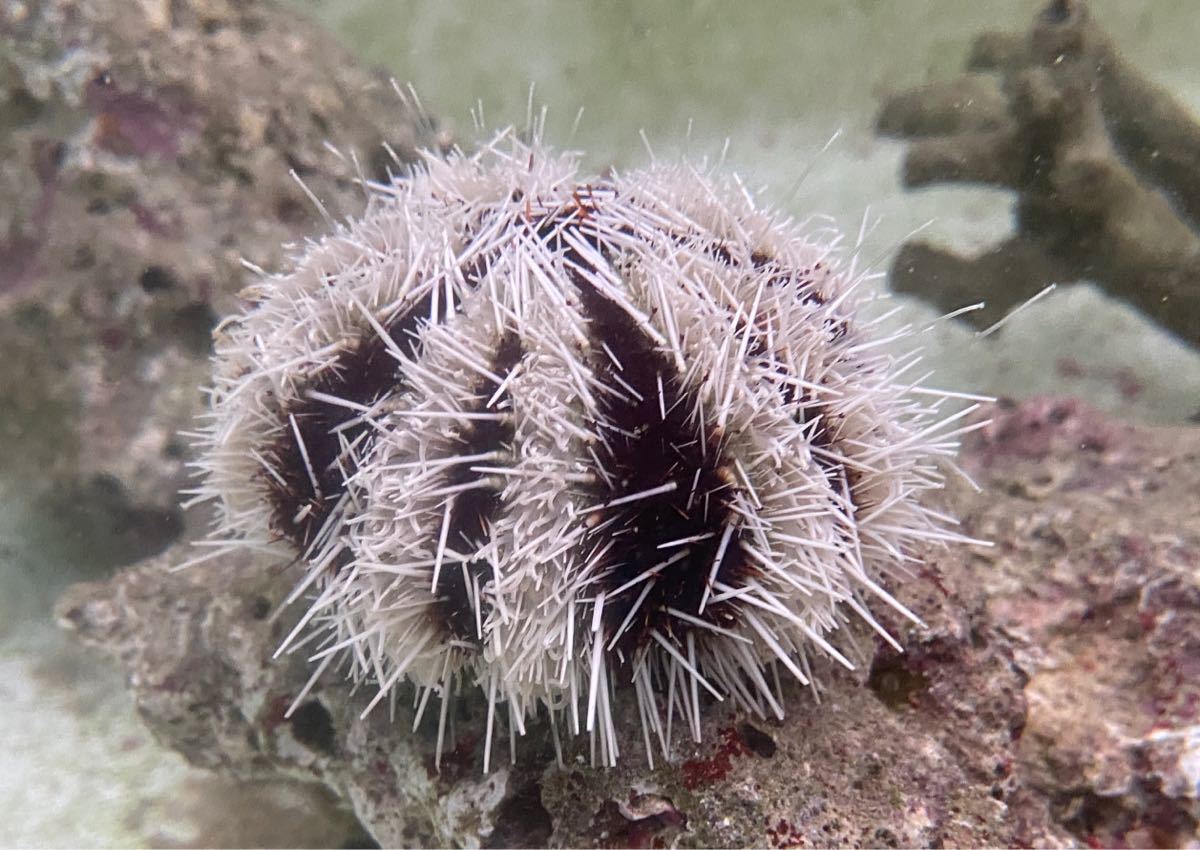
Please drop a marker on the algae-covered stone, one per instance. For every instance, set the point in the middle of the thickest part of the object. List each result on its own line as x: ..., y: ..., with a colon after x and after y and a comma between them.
x: 974, y: 736
x: 146, y: 151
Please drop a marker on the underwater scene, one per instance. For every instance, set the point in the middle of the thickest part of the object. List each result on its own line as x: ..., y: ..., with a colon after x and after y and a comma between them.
x: 680, y: 424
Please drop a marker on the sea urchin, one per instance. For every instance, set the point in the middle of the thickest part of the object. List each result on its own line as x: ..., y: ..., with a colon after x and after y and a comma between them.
x: 556, y: 436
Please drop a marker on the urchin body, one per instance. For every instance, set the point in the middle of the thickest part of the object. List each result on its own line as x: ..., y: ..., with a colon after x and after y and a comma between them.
x: 557, y: 437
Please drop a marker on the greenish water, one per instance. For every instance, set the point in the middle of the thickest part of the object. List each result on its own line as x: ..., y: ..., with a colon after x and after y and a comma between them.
x: 760, y: 73
x: 769, y: 84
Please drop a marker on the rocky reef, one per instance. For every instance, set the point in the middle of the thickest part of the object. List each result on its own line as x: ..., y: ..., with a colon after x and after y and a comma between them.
x: 134, y: 185
x: 145, y: 149
x: 1052, y: 698
x: 1104, y: 163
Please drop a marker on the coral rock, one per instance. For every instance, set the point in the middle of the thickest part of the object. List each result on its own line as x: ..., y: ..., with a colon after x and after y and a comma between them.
x: 1105, y: 165
x: 1050, y: 699
x: 134, y: 183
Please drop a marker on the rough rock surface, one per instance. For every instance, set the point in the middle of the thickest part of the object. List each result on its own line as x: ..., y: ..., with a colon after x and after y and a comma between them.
x: 1105, y: 165
x: 1052, y: 698
x: 145, y: 148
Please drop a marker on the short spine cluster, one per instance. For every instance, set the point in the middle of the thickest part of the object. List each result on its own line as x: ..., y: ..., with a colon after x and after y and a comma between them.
x: 556, y: 437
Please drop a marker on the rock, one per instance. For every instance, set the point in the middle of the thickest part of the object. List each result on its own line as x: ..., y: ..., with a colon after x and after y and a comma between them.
x: 1108, y: 605
x: 145, y: 150
x: 1051, y: 698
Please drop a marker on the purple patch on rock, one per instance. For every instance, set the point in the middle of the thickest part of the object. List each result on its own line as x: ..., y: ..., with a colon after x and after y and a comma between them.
x: 18, y: 252
x: 130, y: 123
